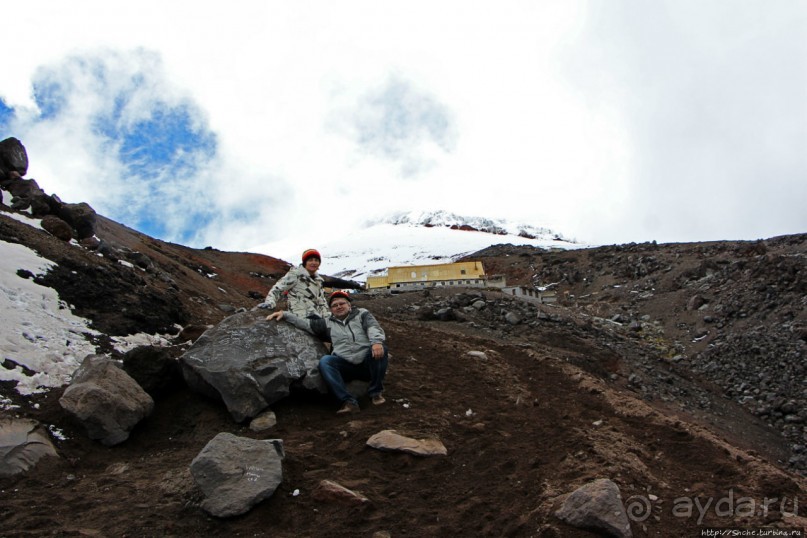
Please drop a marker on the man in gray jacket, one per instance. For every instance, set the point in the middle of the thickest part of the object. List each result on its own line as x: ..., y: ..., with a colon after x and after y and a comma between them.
x: 359, y: 351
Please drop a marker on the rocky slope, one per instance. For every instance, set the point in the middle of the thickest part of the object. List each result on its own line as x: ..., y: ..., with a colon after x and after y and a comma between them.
x: 674, y: 370
x: 731, y: 314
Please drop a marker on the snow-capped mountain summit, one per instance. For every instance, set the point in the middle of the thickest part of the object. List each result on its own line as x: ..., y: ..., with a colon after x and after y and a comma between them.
x: 431, y: 219
x: 418, y: 238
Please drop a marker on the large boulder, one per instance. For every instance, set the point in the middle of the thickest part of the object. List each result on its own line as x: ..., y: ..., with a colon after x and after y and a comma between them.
x: 81, y: 217
x: 250, y: 363
x: 13, y: 158
x: 106, y: 400
x: 236, y: 473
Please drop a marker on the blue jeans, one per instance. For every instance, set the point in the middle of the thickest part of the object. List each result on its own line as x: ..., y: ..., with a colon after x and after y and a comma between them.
x: 336, y: 371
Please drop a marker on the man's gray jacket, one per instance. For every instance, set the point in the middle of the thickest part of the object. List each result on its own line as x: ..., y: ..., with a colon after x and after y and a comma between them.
x: 351, y: 337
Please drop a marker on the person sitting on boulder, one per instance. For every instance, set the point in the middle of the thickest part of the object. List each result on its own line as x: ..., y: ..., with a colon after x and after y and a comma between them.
x: 303, y: 287
x: 359, y: 348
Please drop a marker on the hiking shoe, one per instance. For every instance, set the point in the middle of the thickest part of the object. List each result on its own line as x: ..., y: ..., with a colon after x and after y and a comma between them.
x: 348, y: 407
x: 378, y: 399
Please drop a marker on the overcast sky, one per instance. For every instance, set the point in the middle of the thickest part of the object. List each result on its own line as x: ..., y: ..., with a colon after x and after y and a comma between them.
x: 234, y: 124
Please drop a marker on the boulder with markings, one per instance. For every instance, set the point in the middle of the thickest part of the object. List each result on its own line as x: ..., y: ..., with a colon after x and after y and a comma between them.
x: 250, y: 363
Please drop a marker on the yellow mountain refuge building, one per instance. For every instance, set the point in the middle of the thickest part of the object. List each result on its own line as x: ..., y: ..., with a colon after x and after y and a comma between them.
x: 412, y: 277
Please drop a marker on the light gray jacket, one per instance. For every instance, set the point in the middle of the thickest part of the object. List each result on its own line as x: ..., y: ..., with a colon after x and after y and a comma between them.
x: 351, y: 337
x: 305, y: 293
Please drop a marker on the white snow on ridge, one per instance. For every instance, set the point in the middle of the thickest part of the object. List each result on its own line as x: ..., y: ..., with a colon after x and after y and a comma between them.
x: 483, y: 224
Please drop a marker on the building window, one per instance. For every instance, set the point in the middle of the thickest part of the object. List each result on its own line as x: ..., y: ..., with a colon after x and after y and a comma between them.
x: 462, y: 271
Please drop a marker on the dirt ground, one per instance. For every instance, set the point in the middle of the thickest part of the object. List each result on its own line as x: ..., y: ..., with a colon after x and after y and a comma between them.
x: 522, y: 427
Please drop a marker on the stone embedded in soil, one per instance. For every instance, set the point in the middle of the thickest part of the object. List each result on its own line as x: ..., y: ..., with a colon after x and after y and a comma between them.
x: 330, y: 491
x: 392, y: 440
x: 597, y: 505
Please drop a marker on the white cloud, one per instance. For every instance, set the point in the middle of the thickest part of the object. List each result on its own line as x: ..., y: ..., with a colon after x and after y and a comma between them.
x: 398, y: 123
x: 608, y: 122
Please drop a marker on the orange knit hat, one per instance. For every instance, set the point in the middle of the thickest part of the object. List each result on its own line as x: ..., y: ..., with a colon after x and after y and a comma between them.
x: 311, y: 253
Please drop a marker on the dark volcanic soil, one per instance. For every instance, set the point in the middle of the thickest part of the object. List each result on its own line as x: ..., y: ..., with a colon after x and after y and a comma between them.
x: 566, y: 395
x: 522, y: 427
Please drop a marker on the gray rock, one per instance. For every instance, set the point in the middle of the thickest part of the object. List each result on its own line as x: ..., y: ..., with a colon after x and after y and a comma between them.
x: 696, y: 302
x: 23, y: 442
x: 250, y: 363
x: 597, y: 505
x: 512, y: 318
x: 105, y: 400
x: 236, y: 473
x: 141, y: 260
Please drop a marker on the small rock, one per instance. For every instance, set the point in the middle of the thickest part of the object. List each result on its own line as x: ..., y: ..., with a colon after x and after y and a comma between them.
x: 392, y: 440
x: 264, y: 421
x: 329, y: 491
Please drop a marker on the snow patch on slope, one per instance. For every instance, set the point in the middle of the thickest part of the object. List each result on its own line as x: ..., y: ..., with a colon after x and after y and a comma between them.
x: 41, y: 342
x: 39, y: 332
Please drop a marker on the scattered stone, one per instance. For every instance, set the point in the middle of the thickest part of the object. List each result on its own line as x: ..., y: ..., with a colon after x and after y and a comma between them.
x: 477, y: 354
x: 90, y: 243
x: 329, y: 491
x: 140, y: 260
x: 695, y: 302
x: 597, y: 505
x: 512, y: 318
x: 392, y: 440
x: 236, y: 473
x: 264, y: 421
